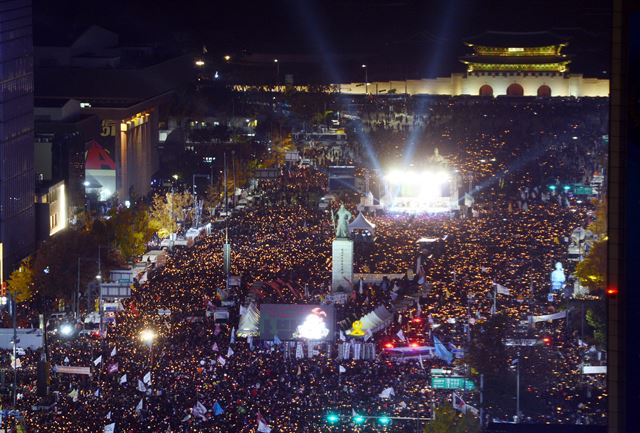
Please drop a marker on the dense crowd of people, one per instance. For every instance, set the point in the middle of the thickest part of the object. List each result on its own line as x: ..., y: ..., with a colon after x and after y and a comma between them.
x: 197, y: 376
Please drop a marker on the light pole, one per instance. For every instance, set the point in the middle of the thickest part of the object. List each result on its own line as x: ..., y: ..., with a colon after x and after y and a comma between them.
x: 277, y: 70
x: 148, y: 336
x: 366, y: 79
x: 518, y: 388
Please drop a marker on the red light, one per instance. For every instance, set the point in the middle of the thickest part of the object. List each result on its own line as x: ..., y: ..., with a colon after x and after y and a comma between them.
x: 612, y: 291
x: 546, y: 341
x: 417, y: 320
x: 389, y: 345
x: 414, y: 344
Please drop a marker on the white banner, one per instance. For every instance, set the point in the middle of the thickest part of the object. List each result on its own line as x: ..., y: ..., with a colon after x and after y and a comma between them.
x: 547, y: 317
x: 594, y: 369
x: 71, y: 370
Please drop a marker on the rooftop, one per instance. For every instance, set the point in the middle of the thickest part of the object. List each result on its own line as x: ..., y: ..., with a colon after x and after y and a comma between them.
x: 516, y: 39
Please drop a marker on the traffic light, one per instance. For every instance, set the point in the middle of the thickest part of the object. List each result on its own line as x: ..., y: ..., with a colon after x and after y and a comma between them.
x: 384, y: 420
x: 332, y: 418
x: 359, y: 419
x: 612, y: 292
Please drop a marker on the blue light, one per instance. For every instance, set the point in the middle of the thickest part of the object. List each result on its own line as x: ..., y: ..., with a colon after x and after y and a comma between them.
x: 359, y: 419
x: 332, y: 418
x: 384, y: 420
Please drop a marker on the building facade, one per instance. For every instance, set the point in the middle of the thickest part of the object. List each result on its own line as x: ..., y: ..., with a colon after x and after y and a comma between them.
x: 17, y: 177
x: 501, y: 64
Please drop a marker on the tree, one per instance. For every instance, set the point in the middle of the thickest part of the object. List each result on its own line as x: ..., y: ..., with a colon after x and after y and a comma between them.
x: 56, y: 260
x: 596, y: 320
x: 168, y: 209
x: 132, y: 229
x: 20, y: 283
x: 599, y: 226
x: 592, y: 271
x: 449, y: 421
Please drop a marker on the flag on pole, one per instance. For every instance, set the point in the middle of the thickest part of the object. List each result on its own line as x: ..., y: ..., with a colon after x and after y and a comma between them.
x: 110, y: 428
x: 123, y: 379
x: 114, y: 351
x: 232, y: 337
x: 141, y: 386
x: 112, y: 368
x: 214, y: 347
x: 263, y: 426
x: 139, y: 406
x: 230, y: 352
x: 98, y: 360
x: 342, y: 337
x: 147, y: 378
x: 460, y: 405
x: 400, y: 335
x: 221, y: 360
x: 387, y: 393
x: 441, y: 351
x: 97, y: 393
x: 74, y: 395
x: 276, y: 340
x: 199, y: 410
x: 108, y: 415
x: 341, y: 369
x: 502, y: 290
x: 217, y: 409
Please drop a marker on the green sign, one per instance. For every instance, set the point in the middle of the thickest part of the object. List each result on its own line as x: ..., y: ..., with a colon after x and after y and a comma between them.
x: 452, y: 383
x: 439, y: 371
x: 582, y: 190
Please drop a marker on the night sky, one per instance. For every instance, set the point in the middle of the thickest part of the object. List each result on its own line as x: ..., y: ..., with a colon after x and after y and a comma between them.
x: 418, y: 37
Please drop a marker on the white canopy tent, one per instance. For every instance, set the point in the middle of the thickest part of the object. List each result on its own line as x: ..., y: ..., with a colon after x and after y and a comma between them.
x: 361, y: 223
x: 249, y: 322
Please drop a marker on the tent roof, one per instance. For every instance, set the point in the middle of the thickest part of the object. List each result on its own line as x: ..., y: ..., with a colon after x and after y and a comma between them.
x: 361, y: 223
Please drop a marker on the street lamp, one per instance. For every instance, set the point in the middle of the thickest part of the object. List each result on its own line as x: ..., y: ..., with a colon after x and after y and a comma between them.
x: 366, y: 78
x: 199, y: 62
x: 277, y: 70
x: 227, y: 58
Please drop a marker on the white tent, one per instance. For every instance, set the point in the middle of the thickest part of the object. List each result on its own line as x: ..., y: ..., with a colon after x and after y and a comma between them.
x: 361, y: 223
x: 376, y: 320
x: 249, y: 322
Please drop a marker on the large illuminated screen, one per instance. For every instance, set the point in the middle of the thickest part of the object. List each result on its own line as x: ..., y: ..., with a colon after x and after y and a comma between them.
x: 431, y: 190
x: 297, y: 322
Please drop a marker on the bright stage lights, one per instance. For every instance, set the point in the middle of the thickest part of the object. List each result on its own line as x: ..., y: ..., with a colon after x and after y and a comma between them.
x: 313, y: 327
x: 416, y: 191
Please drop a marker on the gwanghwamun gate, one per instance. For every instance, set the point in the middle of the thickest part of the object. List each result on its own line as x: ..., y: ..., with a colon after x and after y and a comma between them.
x: 501, y: 64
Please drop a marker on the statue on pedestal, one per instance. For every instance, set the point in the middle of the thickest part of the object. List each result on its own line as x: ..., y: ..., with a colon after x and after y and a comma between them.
x: 341, y: 222
x: 557, y: 278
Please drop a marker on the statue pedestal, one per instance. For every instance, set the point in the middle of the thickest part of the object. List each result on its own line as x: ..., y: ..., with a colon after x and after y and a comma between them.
x: 342, y: 264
